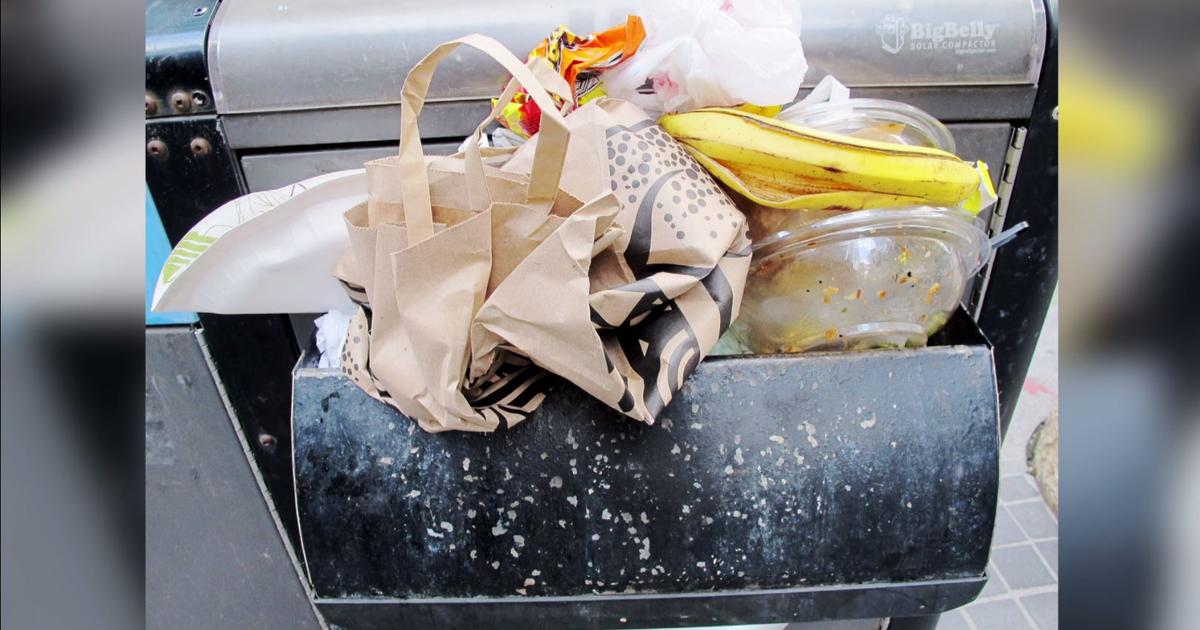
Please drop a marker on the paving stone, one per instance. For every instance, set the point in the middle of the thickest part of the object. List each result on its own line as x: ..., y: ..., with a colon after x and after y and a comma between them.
x: 995, y: 586
x: 1035, y: 517
x: 998, y: 615
x: 1049, y: 549
x: 1043, y: 608
x: 1016, y: 488
x: 1006, y: 531
x: 1022, y: 568
x: 953, y: 620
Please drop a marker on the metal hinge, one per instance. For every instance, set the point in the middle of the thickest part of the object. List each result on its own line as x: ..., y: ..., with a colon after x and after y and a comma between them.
x: 1008, y: 175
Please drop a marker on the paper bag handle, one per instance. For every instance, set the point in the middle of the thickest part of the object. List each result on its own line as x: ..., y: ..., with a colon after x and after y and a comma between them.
x: 551, y: 81
x: 414, y: 185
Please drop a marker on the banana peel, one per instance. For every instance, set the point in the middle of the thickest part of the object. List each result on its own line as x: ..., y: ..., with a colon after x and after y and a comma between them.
x: 780, y: 165
x: 774, y: 194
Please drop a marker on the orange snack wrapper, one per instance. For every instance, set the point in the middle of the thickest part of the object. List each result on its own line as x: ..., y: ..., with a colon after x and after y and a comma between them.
x: 580, y: 59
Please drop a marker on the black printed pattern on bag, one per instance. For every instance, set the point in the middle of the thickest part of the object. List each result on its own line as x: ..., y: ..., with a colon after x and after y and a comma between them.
x: 356, y: 293
x: 676, y: 208
x: 511, y: 391
x: 506, y: 395
x: 664, y: 342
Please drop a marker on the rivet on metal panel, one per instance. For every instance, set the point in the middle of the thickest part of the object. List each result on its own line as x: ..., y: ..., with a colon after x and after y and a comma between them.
x: 200, y: 11
x: 156, y: 148
x: 199, y: 99
x: 200, y: 146
x: 267, y: 442
x: 181, y: 101
x: 151, y: 104
x: 1054, y: 113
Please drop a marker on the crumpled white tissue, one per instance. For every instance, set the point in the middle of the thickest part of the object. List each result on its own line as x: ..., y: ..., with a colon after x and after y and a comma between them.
x: 331, y: 336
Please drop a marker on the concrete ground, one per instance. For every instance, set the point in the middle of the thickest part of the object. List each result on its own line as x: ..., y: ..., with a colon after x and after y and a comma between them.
x: 1022, y: 593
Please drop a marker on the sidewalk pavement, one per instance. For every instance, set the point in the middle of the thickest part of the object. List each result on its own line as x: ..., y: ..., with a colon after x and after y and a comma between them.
x: 1022, y: 593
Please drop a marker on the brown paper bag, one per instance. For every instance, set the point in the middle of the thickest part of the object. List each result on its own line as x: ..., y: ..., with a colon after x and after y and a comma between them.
x: 659, y: 298
x: 458, y: 322
x: 433, y: 242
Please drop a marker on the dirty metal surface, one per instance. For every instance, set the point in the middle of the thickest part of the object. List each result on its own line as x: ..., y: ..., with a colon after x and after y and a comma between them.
x: 767, y: 477
x: 214, y: 557
x: 176, y: 70
x: 254, y: 354
x: 192, y: 171
x: 1025, y: 272
x: 854, y: 607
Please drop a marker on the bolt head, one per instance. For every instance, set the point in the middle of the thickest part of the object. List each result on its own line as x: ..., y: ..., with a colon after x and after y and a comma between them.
x: 200, y: 146
x: 181, y: 101
x: 151, y: 105
x: 156, y: 148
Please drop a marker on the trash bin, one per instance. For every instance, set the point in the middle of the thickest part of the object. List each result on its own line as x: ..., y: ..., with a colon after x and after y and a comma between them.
x: 801, y: 488
x: 321, y: 95
x: 794, y: 488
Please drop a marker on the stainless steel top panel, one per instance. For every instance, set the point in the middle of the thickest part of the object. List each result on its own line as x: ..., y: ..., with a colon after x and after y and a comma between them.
x: 283, y: 55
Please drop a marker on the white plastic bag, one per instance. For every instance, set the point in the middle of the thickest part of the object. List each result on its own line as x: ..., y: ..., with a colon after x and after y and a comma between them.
x: 701, y: 53
x: 828, y: 90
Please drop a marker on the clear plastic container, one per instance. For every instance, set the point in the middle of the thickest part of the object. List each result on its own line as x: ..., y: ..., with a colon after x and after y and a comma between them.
x: 867, y: 279
x: 876, y: 119
x: 825, y: 280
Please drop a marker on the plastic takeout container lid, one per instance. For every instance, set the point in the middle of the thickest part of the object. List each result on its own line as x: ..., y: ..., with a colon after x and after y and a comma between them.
x: 856, y: 114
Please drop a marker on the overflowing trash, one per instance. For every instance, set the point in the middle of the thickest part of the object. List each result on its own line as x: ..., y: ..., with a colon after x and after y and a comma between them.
x: 644, y: 253
x: 579, y: 60
x: 645, y: 190
x: 781, y: 165
x: 712, y: 53
x: 868, y: 118
x: 887, y: 277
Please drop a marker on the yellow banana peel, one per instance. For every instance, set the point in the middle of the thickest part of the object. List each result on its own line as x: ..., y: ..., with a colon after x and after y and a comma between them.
x: 781, y: 165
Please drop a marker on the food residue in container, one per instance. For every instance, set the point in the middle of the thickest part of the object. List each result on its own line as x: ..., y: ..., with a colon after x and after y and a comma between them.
x: 933, y: 290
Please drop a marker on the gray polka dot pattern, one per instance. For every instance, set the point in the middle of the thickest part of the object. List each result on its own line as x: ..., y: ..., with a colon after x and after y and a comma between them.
x: 688, y: 204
